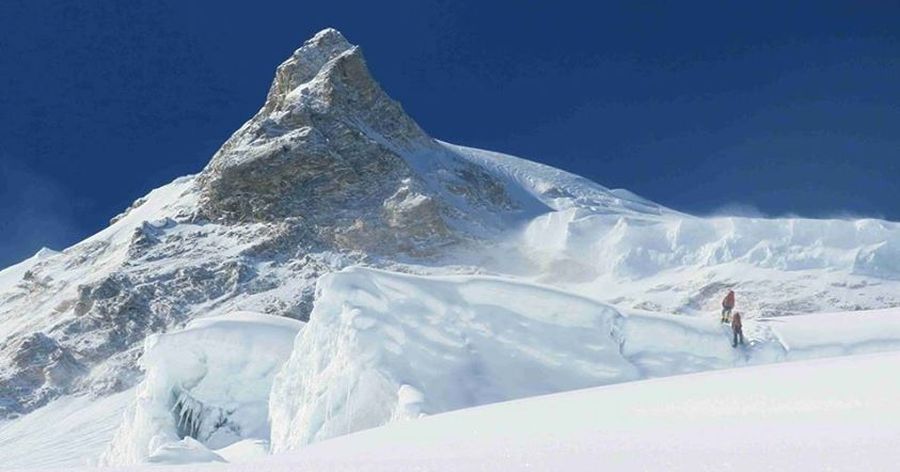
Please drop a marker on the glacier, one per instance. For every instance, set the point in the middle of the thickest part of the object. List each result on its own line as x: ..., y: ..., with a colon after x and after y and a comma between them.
x: 384, y: 347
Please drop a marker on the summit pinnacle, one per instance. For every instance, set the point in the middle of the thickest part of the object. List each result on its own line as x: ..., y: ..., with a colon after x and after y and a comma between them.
x: 333, y: 152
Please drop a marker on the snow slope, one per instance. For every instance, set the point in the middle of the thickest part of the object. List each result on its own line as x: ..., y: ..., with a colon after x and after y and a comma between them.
x: 633, y: 253
x: 68, y: 432
x: 838, y: 414
x: 835, y: 414
x: 557, y: 189
x: 838, y: 334
x: 104, y: 251
x: 49, y: 345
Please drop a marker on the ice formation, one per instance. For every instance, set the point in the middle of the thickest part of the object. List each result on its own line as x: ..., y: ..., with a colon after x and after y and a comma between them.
x: 206, y: 387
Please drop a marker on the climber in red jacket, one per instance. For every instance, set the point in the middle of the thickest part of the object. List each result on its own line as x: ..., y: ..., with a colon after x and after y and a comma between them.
x: 727, y: 306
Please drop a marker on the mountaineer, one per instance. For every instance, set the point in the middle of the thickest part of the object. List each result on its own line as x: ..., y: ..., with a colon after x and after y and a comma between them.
x: 737, y: 329
x: 727, y: 306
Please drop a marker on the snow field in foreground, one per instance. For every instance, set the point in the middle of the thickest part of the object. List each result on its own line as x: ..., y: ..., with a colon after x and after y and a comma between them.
x: 834, y: 414
x: 837, y: 414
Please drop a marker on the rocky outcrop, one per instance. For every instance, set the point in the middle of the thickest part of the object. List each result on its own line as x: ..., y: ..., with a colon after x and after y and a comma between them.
x: 40, y: 369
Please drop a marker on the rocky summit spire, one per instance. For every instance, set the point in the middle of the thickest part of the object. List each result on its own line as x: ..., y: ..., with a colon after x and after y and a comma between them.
x: 330, y: 152
x: 329, y: 148
x: 305, y: 64
x: 325, y: 79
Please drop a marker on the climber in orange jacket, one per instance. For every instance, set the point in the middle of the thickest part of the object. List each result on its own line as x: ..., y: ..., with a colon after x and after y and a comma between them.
x: 727, y: 306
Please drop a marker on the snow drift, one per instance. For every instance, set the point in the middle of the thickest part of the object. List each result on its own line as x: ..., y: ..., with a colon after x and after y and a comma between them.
x: 205, y: 387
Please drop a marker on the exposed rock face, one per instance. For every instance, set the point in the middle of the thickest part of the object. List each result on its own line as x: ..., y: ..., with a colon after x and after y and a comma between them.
x: 105, y: 298
x: 39, y: 370
x: 332, y: 150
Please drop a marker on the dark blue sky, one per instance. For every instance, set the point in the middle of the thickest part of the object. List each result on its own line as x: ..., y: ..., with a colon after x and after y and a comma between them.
x: 781, y: 108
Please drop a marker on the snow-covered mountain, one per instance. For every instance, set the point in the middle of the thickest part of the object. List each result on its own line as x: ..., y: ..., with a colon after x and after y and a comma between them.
x: 329, y: 173
x: 433, y: 277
